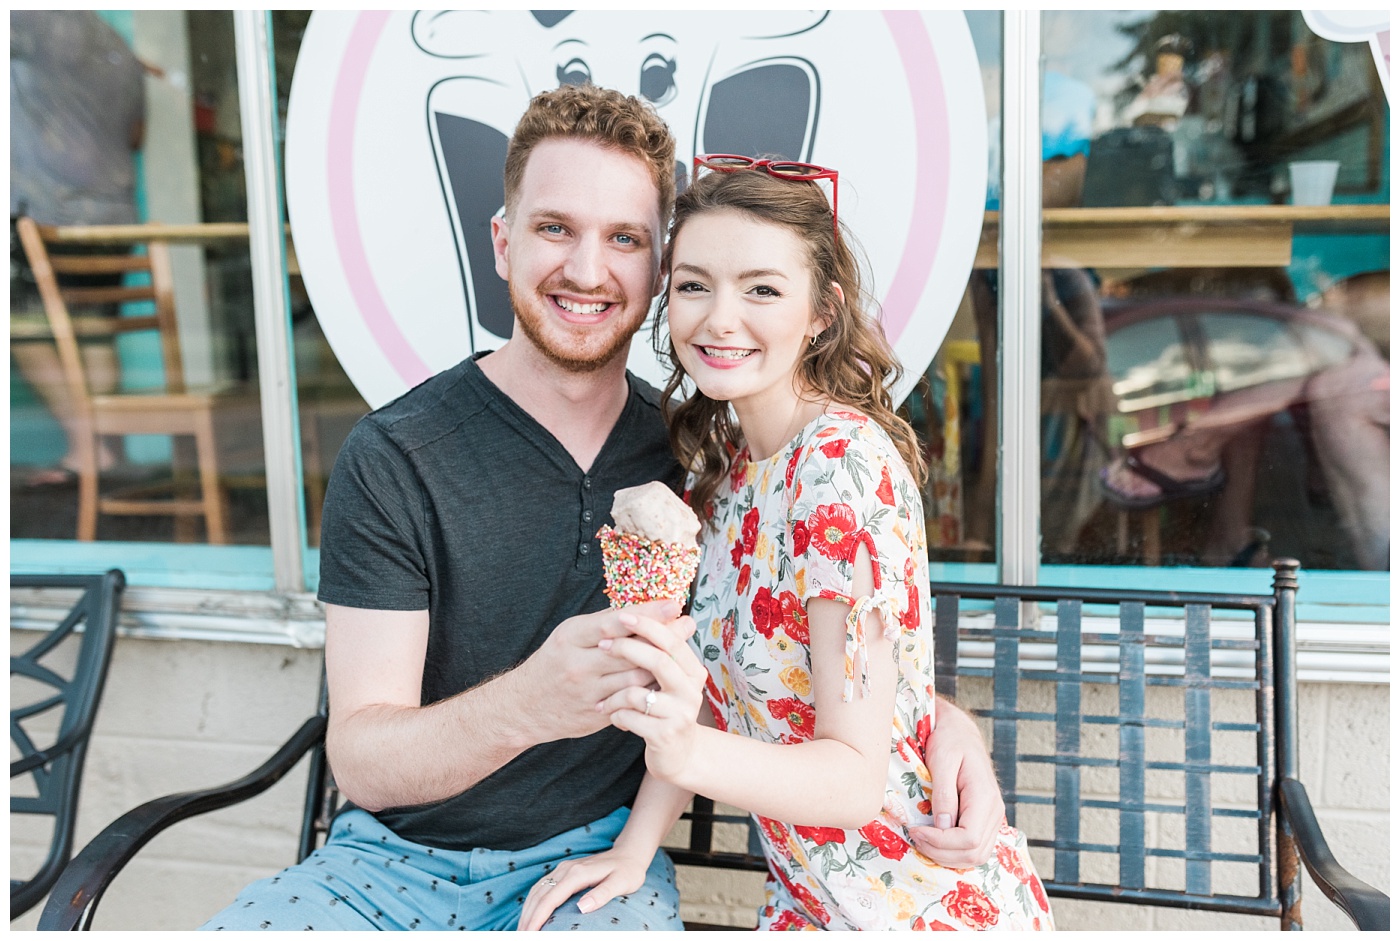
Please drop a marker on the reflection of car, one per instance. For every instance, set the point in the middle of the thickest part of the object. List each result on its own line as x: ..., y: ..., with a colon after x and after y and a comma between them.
x: 1190, y: 374
x: 1175, y: 361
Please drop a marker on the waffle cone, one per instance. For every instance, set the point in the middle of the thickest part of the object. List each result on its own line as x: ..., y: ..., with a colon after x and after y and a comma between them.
x: 636, y: 569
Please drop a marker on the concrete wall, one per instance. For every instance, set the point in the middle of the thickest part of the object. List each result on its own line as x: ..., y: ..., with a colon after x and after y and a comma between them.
x: 179, y: 715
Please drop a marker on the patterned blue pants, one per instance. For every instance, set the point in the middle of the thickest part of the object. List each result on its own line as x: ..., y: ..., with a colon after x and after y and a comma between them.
x: 365, y: 877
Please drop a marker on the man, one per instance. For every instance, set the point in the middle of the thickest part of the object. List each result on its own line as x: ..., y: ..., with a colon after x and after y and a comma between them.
x: 458, y: 550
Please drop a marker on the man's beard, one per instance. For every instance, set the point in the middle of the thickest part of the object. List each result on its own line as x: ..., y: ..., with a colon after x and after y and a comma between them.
x: 577, y: 359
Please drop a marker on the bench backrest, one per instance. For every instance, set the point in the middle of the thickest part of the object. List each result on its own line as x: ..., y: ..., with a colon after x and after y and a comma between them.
x: 1137, y: 736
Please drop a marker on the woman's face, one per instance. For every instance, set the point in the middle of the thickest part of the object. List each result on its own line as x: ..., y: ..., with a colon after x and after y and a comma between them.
x: 740, y: 309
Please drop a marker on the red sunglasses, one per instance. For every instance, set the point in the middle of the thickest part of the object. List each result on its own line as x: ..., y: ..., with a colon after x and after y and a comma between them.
x: 782, y: 169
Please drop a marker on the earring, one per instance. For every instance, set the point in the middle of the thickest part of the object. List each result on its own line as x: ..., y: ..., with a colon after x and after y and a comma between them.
x: 813, y: 340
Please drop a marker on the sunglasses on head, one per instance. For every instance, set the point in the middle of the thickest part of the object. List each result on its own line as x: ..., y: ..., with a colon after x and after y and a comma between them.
x: 782, y: 169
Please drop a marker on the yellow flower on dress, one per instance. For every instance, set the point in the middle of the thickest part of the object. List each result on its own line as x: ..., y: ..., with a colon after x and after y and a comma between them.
x: 797, y: 680
x: 902, y: 902
x: 763, y: 547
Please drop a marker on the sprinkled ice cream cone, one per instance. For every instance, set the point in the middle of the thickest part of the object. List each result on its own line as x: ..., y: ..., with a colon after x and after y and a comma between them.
x: 651, y: 554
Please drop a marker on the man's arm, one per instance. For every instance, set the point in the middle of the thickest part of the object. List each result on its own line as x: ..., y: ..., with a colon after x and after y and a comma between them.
x: 968, y: 809
x: 387, y: 750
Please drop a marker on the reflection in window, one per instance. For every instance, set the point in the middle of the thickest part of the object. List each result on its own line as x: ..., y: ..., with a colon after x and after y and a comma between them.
x: 1245, y: 351
x: 1248, y: 416
x: 150, y: 430
x: 1149, y: 364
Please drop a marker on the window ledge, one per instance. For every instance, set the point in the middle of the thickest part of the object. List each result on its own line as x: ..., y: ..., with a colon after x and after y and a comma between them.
x: 1327, y: 652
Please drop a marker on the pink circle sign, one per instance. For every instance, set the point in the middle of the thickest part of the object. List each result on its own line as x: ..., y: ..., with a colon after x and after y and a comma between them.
x: 398, y: 123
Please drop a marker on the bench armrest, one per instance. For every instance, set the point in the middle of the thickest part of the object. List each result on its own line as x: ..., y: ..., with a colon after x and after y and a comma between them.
x: 75, y: 896
x: 1368, y: 907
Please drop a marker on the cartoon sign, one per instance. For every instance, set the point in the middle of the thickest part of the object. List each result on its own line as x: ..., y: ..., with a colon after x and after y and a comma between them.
x: 397, y: 131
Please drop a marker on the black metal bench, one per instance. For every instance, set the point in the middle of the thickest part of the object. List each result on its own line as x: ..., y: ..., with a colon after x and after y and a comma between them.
x: 1074, y: 683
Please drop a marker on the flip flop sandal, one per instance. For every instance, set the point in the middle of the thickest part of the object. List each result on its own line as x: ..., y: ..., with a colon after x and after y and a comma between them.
x: 1169, y: 488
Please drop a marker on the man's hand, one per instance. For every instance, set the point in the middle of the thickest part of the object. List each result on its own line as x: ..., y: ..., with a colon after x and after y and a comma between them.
x: 665, y: 717
x: 571, y: 673
x: 967, y: 806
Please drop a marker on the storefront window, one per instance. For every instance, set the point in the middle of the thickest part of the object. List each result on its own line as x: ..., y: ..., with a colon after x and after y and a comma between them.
x: 134, y: 412
x: 953, y: 408
x: 1215, y: 332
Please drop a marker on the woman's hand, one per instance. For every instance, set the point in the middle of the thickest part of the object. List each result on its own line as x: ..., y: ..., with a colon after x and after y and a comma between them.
x: 665, y: 717
x: 612, y: 873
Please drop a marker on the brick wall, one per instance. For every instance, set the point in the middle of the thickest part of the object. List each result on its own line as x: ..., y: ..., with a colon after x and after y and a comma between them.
x: 180, y: 715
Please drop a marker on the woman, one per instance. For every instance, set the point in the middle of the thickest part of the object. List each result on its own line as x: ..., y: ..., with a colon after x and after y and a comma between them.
x: 814, y: 644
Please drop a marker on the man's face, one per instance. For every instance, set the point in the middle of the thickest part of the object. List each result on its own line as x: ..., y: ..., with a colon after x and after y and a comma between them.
x: 581, y: 251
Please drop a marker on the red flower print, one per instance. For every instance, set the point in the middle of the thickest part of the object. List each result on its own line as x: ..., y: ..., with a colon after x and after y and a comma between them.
x: 909, y: 620
x: 1010, y: 860
x: 776, y: 833
x: 727, y: 634
x: 799, y: 715
x: 890, y: 844
x: 923, y: 730
x: 750, y: 530
x: 767, y: 615
x: 821, y: 835
x: 736, y: 555
x: 836, y: 448
x: 971, y: 906
x: 941, y: 926
x: 792, y: 468
x: 738, y: 470
x: 794, y: 617
x: 800, y: 538
x: 919, y: 924
x: 789, y: 921
x: 886, y: 489
x: 833, y: 527
x: 856, y: 417
x: 743, y: 585
x: 713, y: 697
x: 800, y: 892
x: 1038, y: 891
x: 925, y: 808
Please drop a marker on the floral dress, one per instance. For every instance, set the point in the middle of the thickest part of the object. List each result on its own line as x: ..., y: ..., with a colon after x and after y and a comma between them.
x: 787, y: 530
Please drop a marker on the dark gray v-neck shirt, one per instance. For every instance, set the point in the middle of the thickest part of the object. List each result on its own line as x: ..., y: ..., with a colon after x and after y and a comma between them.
x: 453, y: 499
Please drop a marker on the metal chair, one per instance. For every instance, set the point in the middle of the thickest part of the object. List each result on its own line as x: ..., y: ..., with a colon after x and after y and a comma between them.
x: 55, y: 771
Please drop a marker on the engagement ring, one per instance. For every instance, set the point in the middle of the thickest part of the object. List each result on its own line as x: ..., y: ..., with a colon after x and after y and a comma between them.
x: 651, y: 701
x: 549, y: 881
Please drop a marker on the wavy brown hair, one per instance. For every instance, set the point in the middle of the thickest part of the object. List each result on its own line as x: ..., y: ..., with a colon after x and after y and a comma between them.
x: 851, y: 362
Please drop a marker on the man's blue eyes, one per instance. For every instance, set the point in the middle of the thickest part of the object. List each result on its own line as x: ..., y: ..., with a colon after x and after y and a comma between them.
x: 622, y: 238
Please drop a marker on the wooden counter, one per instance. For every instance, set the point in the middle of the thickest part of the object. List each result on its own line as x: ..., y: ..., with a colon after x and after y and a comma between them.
x: 1183, y: 236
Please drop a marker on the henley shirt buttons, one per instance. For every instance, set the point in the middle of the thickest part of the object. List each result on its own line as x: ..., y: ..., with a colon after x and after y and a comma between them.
x: 583, y: 548
x: 587, y: 515
x: 588, y: 483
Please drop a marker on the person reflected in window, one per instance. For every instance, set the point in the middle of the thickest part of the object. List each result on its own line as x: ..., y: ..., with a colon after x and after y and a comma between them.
x: 77, y: 115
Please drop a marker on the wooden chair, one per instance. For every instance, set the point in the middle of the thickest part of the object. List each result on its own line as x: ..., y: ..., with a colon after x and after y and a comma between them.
x: 175, y: 410
x: 45, y: 781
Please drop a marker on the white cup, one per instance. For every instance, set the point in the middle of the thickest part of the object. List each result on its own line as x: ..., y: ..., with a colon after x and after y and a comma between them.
x: 1312, y: 181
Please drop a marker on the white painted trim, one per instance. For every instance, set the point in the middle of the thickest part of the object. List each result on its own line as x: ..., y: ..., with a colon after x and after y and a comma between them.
x: 1327, y: 652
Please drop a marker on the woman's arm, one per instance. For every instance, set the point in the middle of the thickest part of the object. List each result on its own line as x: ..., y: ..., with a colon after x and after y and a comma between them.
x: 618, y: 871
x: 835, y: 780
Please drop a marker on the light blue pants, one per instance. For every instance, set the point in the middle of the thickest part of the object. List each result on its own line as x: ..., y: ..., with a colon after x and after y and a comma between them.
x: 365, y: 877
